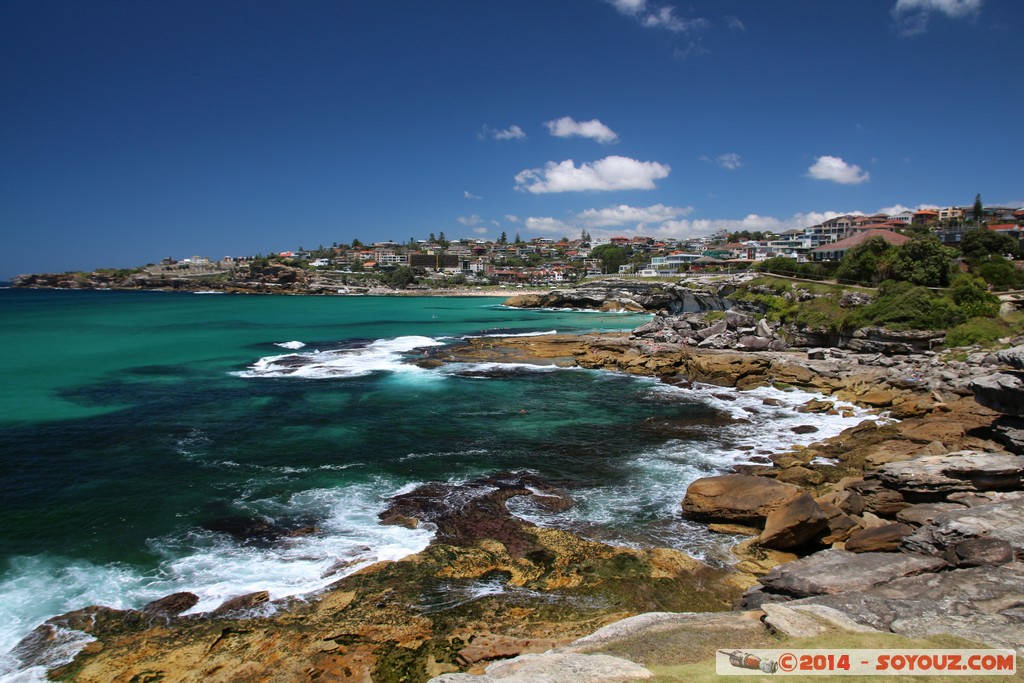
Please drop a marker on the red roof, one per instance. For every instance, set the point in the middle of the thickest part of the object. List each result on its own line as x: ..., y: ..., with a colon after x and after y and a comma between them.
x: 862, y: 237
x: 1004, y: 226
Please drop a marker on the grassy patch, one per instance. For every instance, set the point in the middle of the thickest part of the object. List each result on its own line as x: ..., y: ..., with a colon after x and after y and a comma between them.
x: 696, y: 658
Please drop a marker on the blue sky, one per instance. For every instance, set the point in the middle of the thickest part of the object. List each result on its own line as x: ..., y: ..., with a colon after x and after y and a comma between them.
x: 137, y: 130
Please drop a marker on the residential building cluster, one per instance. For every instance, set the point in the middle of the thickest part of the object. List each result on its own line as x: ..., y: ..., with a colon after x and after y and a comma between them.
x: 542, y: 260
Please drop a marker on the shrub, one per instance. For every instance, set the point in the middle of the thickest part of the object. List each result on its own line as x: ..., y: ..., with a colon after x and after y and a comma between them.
x: 977, y: 331
x: 901, y: 305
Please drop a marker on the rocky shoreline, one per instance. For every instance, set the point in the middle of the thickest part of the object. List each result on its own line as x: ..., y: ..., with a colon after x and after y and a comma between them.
x: 908, y: 526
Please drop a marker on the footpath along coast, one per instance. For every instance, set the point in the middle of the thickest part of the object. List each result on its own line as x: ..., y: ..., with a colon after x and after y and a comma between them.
x: 904, y: 532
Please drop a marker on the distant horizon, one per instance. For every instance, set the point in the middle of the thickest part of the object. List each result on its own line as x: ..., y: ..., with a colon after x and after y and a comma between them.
x: 140, y: 131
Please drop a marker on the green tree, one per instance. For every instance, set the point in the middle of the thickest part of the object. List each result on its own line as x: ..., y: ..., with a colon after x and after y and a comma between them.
x: 979, y: 209
x: 980, y: 243
x: 972, y: 297
x: 356, y: 244
x: 999, y: 273
x: 518, y: 240
x: 866, y: 263
x: 400, y: 277
x: 503, y: 239
x: 923, y: 261
x: 611, y: 257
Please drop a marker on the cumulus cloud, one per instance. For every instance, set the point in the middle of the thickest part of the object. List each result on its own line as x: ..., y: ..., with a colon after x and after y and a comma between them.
x: 899, y: 208
x: 566, y: 127
x: 510, y: 133
x: 469, y: 195
x: 480, y: 231
x: 730, y: 160
x: 511, y: 218
x: 912, y: 16
x: 666, y: 222
x: 470, y: 220
x: 610, y: 173
x: 658, y: 16
x: 623, y: 214
x: 838, y: 171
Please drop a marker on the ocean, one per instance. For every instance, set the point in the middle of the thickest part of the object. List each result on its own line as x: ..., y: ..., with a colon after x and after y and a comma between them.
x: 158, y: 442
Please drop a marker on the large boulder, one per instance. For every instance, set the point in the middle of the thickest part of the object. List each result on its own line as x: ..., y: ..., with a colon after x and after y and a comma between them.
x: 739, y: 498
x: 885, y: 538
x: 793, y: 524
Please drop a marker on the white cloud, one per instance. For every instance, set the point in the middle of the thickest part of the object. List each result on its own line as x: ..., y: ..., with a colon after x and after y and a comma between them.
x: 469, y: 195
x: 469, y: 220
x: 567, y: 127
x: 912, y: 16
x: 662, y: 16
x: 511, y: 218
x: 510, y: 133
x: 480, y: 231
x: 628, y: 221
x: 729, y: 160
x: 735, y: 24
x: 610, y: 173
x: 838, y: 171
x: 899, y: 208
x: 623, y: 214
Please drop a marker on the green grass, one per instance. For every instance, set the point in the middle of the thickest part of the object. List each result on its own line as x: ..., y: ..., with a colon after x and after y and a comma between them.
x: 675, y: 659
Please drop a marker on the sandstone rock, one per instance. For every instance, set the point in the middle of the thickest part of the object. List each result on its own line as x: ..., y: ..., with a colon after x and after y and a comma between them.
x: 242, y: 603
x: 803, y: 429
x: 979, y: 552
x: 736, y: 498
x: 1003, y: 392
x: 837, y: 571
x: 977, y: 604
x: 816, y: 405
x: 806, y: 621
x: 879, y: 499
x: 878, y: 539
x: 754, y: 343
x: 758, y: 560
x: 939, y: 475
x: 727, y: 623
x: 1003, y: 521
x: 719, y: 327
x: 880, y: 398
x: 925, y: 513
x: 737, y: 319
x: 554, y: 667
x: 801, y: 476
x: 172, y: 605
x: 793, y: 524
x: 1014, y: 357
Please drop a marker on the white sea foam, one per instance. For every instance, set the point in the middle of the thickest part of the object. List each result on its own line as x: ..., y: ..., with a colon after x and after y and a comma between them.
x: 642, y: 507
x: 213, y: 566
x: 380, y: 355
x: 293, y: 345
x: 521, y: 334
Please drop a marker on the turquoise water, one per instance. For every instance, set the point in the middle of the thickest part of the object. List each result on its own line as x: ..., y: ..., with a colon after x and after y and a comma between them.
x: 138, y: 430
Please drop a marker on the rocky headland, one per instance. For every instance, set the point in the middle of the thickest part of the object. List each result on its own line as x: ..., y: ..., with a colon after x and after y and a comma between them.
x: 909, y: 526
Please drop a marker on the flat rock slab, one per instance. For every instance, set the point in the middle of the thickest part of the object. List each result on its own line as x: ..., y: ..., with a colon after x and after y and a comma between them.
x: 838, y: 571
x: 657, y: 622
x: 805, y: 621
x: 954, y: 472
x: 1002, y: 521
x: 555, y: 668
x: 979, y: 604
